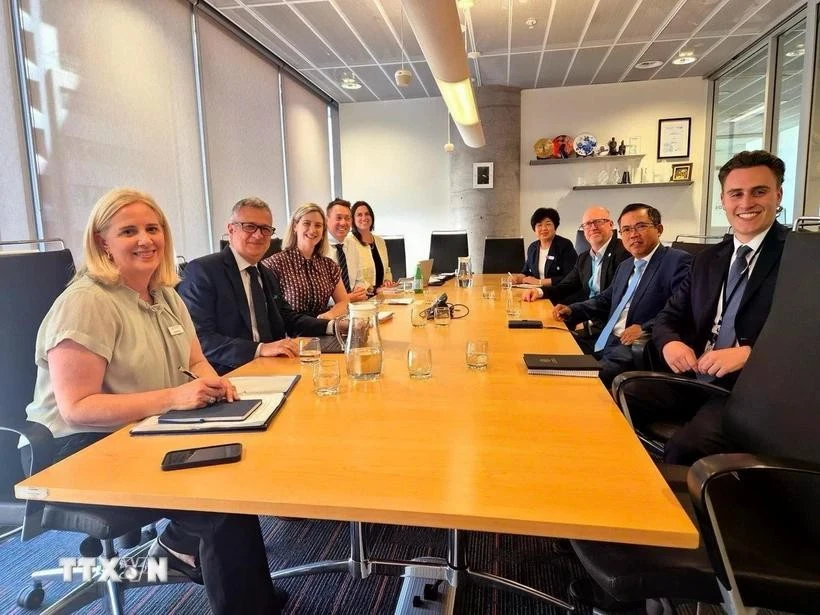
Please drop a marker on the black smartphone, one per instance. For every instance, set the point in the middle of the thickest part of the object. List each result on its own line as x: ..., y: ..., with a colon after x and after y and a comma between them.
x: 203, y: 456
x: 525, y: 324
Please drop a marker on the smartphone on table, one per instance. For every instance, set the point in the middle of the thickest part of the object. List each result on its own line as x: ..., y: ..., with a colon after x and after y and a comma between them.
x: 203, y: 456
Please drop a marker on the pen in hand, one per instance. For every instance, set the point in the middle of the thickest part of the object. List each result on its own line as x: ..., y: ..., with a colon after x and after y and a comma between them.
x: 188, y: 373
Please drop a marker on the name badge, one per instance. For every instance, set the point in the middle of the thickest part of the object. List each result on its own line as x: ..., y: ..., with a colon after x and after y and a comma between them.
x: 176, y: 329
x: 550, y: 257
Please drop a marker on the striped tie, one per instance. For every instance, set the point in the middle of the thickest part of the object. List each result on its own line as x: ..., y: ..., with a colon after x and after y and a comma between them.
x: 340, y: 256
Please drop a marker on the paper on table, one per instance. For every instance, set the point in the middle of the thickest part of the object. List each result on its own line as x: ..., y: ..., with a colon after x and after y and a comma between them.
x: 525, y: 286
x: 247, y: 386
x: 398, y: 301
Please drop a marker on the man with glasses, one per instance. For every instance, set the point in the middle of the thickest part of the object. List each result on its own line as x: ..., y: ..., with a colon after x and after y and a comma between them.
x: 343, y: 249
x: 238, y: 308
x: 711, y: 323
x: 592, y: 274
x: 641, y: 287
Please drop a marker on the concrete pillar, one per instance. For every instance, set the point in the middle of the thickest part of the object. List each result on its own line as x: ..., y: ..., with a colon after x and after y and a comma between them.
x: 491, y: 212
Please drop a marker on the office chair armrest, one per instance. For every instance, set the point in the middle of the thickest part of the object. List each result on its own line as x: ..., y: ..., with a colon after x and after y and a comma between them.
x: 639, y: 349
x: 703, y: 483
x: 40, y: 440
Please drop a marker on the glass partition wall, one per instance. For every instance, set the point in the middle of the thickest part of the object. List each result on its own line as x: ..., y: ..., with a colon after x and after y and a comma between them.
x: 758, y: 103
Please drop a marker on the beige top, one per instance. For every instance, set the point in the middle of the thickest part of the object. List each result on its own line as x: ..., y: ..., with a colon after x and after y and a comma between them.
x: 367, y: 268
x: 144, y: 345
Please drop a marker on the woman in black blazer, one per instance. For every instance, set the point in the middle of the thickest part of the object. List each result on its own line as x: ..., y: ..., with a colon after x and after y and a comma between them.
x: 550, y: 257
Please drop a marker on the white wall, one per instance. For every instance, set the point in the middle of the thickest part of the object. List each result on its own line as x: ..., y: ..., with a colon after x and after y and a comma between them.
x: 622, y: 110
x: 393, y: 157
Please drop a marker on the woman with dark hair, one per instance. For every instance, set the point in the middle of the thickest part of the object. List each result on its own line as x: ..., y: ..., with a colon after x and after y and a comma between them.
x: 550, y: 257
x: 373, y: 262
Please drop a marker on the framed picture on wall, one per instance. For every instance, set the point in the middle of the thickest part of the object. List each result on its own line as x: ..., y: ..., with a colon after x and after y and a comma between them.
x: 682, y: 172
x: 482, y: 175
x: 674, y: 135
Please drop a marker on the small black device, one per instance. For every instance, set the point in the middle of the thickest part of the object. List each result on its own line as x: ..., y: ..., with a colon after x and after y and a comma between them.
x: 525, y: 324
x: 441, y: 301
x: 203, y: 456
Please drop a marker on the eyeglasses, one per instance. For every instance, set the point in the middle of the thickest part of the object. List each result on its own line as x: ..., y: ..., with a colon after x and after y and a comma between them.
x: 250, y: 228
x: 640, y: 227
x: 596, y: 222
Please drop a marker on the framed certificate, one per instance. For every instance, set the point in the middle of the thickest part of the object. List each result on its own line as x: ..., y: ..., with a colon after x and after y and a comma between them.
x: 674, y: 135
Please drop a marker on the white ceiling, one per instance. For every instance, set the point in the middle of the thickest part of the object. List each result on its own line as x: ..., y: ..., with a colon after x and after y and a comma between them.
x: 573, y: 42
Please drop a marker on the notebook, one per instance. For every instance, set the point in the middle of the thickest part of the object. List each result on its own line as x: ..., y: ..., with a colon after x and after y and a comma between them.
x: 220, y: 411
x: 583, y: 365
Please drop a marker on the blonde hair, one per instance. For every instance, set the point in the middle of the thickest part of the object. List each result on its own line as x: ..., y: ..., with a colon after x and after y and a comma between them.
x: 289, y: 241
x: 96, y: 263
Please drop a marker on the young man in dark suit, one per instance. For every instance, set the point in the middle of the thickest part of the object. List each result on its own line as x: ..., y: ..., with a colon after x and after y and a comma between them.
x: 640, y: 289
x: 593, y: 272
x: 711, y: 323
x: 238, y: 308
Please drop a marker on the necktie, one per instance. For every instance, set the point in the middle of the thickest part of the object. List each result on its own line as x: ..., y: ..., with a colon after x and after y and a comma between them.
x: 735, y: 285
x: 260, y: 308
x: 340, y: 256
x: 616, y: 314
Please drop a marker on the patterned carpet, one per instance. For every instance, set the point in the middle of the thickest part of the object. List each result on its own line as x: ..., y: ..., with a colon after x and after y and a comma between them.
x: 525, y: 559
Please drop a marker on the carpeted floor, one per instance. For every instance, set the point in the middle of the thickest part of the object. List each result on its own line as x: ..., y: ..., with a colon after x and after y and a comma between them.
x: 525, y: 559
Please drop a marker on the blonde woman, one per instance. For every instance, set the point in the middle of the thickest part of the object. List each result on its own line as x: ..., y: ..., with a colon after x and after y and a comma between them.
x: 373, y: 261
x: 109, y: 352
x: 309, y: 280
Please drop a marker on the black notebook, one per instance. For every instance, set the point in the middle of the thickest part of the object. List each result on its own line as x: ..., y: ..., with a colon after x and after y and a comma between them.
x: 221, y: 411
x: 584, y: 365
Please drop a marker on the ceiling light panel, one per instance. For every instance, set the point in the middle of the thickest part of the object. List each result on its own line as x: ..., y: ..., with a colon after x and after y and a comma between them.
x: 326, y: 20
x: 489, y: 27
x: 608, y: 20
x: 568, y: 23
x: 585, y: 65
x: 523, y: 67
x: 649, y: 17
x: 657, y: 51
x: 294, y: 30
x: 553, y: 68
x: 620, y: 58
x: 525, y: 38
x: 250, y: 24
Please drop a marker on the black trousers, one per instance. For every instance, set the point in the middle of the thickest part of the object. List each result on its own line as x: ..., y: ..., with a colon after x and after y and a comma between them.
x: 230, y: 547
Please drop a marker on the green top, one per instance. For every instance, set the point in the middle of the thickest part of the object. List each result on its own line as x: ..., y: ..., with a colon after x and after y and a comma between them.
x: 144, y: 345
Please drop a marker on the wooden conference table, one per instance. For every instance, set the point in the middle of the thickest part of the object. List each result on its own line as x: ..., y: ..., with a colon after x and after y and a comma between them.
x: 495, y: 451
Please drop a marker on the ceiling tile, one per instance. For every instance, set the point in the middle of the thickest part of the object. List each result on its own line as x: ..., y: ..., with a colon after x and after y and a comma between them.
x: 221, y: 4
x: 585, y: 65
x: 553, y: 68
x: 489, y: 27
x: 522, y: 69
x: 649, y: 17
x: 733, y: 13
x: 768, y: 16
x: 365, y: 18
x: 524, y: 37
x: 683, y: 24
x: 424, y: 74
x: 662, y: 50
x: 250, y: 24
x: 607, y: 20
x: 392, y: 8
x: 414, y: 90
x: 290, y: 27
x: 383, y: 86
x: 620, y: 58
x: 568, y: 23
x: 326, y: 20
x: 493, y: 70
x: 720, y: 55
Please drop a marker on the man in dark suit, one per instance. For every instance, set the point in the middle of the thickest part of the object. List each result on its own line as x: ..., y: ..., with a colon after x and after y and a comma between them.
x: 711, y: 323
x: 238, y: 308
x: 593, y: 272
x: 640, y: 289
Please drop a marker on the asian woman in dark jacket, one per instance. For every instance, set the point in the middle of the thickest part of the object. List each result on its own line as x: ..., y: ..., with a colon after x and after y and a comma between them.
x: 550, y: 257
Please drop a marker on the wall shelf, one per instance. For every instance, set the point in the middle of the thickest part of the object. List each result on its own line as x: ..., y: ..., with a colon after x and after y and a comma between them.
x: 534, y: 163
x: 650, y: 185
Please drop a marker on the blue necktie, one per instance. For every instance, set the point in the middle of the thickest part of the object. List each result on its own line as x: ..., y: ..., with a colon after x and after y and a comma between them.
x: 735, y: 285
x: 616, y: 314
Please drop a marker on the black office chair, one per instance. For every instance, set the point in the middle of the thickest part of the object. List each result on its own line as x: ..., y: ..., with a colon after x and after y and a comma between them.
x: 806, y: 223
x: 396, y: 255
x: 581, y: 243
x: 757, y: 510
x: 695, y: 244
x: 32, y: 281
x: 445, y: 248
x: 503, y: 254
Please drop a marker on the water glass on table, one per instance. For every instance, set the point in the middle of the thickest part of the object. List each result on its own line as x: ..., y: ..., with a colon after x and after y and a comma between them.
x: 476, y: 354
x: 513, y: 307
x: 419, y: 362
x: 506, y: 281
x: 418, y: 313
x: 441, y: 316
x: 310, y: 349
x: 326, y: 377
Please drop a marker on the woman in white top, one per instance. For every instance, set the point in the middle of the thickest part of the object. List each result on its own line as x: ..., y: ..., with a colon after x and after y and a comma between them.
x: 373, y: 262
x: 110, y: 351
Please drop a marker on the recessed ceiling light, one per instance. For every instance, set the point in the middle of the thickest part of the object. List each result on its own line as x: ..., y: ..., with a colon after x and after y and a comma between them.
x: 350, y: 83
x: 647, y: 64
x: 530, y: 22
x: 681, y: 60
x: 473, y: 54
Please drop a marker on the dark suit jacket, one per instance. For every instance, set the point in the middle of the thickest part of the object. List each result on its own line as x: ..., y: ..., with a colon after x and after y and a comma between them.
x: 664, y: 273
x: 560, y: 259
x: 575, y: 286
x: 213, y: 291
x: 690, y: 313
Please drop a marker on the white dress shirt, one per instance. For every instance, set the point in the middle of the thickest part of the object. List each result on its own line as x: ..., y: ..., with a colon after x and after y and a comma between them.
x: 351, y: 250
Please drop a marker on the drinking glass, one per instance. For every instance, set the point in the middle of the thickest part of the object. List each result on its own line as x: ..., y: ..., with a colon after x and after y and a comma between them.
x: 441, y: 316
x: 513, y: 307
x: 419, y: 362
x: 485, y: 291
x: 476, y: 354
x: 310, y: 349
x: 326, y: 377
x: 418, y: 314
x: 506, y: 282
